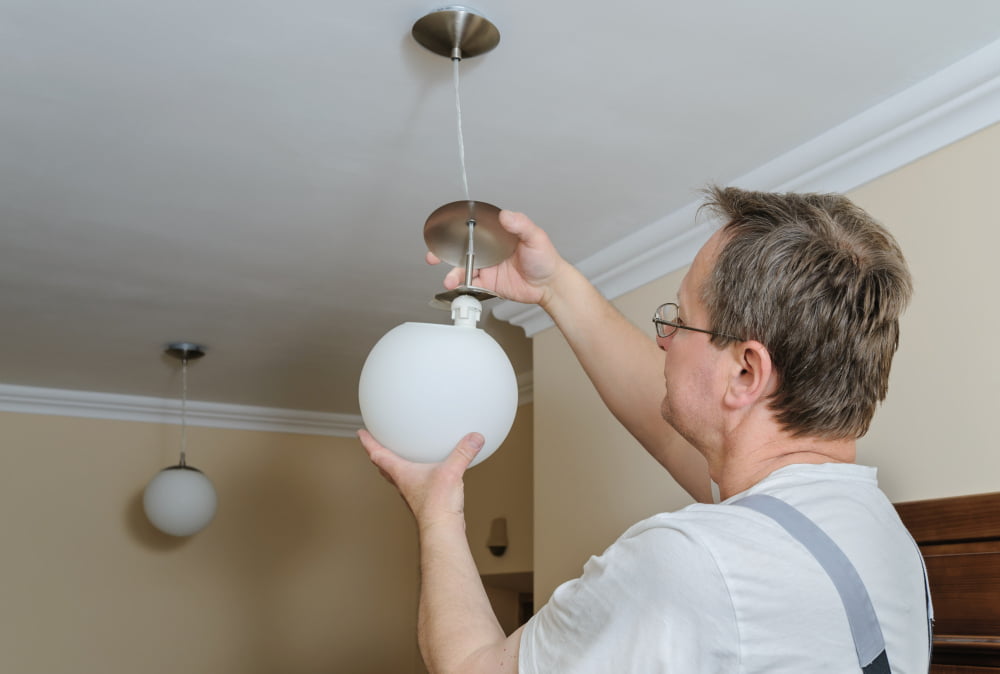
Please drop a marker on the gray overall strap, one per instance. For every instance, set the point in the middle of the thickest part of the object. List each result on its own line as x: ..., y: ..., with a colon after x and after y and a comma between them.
x: 868, y: 640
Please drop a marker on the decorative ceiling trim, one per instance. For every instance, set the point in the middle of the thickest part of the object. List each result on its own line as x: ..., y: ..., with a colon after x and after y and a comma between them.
x: 92, y: 405
x: 940, y: 110
x: 60, y: 402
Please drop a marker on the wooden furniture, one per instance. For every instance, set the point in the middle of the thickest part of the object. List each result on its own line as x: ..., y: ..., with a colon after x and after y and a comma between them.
x: 960, y: 540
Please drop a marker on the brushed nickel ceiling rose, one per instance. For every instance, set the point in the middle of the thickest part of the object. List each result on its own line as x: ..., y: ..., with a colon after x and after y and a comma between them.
x: 184, y: 350
x: 456, y: 32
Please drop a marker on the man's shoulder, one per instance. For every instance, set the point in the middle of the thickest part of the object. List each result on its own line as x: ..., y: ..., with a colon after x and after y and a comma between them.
x: 838, y: 496
x: 694, y: 534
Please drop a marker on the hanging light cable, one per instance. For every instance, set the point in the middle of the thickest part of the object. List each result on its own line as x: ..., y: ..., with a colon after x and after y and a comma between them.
x: 456, y: 63
x: 184, y: 399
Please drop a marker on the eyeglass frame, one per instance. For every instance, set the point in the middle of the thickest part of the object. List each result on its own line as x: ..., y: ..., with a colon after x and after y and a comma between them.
x: 657, y: 322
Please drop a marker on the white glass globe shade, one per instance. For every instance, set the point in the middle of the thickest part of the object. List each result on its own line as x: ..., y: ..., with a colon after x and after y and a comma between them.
x: 424, y: 386
x: 180, y: 501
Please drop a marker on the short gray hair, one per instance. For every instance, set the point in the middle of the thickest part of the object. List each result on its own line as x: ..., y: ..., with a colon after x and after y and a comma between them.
x: 821, y: 284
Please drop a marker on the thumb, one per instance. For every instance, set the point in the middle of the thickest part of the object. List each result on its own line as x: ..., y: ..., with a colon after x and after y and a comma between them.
x: 517, y: 223
x: 465, y: 451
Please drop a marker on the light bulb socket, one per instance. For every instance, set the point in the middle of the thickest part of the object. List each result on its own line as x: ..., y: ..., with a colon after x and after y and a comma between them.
x: 466, y: 311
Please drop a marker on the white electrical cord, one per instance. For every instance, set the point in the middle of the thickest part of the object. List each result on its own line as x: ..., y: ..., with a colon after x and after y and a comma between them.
x: 461, y: 140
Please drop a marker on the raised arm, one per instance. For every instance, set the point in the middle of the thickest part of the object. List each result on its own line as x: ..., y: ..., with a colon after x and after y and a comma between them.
x: 456, y: 627
x: 624, y: 364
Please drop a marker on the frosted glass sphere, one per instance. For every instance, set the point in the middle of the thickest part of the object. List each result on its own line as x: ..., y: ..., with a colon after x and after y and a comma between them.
x: 180, y: 501
x: 424, y: 386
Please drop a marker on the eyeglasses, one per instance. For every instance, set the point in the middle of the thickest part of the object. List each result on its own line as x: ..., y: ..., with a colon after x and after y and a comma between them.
x: 667, y: 320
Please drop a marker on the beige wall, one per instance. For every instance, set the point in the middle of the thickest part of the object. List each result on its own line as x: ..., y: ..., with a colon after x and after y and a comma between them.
x: 592, y: 479
x: 309, y: 566
x: 934, y: 437
x: 501, y: 486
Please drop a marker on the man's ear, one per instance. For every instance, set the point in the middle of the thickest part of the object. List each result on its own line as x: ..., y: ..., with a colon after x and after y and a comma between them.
x: 752, y: 377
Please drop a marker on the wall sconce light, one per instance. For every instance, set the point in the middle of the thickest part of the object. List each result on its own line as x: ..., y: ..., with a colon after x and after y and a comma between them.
x: 424, y: 386
x: 497, y: 541
x: 180, y: 500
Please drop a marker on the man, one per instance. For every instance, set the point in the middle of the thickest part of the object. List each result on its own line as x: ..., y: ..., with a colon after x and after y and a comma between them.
x: 767, y: 369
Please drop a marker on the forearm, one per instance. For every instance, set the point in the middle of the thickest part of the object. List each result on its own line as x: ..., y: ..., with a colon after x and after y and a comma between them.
x: 457, y: 629
x: 626, y: 367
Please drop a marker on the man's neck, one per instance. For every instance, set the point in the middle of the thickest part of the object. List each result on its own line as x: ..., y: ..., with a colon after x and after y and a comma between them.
x: 737, y: 469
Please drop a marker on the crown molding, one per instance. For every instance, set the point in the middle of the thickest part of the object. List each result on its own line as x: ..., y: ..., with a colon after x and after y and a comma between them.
x: 940, y: 110
x: 93, y: 405
x: 61, y: 402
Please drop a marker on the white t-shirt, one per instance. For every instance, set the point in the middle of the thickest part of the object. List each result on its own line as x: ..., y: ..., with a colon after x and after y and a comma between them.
x: 722, y: 588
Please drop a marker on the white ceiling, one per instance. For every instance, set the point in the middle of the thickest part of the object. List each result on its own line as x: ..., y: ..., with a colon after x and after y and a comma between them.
x: 255, y: 176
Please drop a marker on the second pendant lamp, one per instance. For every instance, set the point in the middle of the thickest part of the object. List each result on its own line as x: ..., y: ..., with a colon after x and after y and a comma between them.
x: 180, y: 500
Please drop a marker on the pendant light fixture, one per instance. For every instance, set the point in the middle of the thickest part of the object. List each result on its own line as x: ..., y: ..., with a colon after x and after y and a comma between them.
x: 180, y: 500
x: 424, y: 385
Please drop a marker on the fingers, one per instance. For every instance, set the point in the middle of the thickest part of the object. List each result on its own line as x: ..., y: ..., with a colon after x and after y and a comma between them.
x: 431, y: 491
x: 377, y: 454
x: 385, y: 459
x: 516, y: 223
x: 392, y: 467
x: 368, y: 441
x: 454, y: 278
